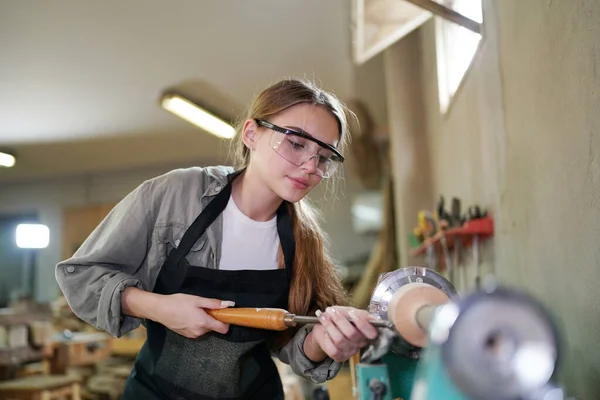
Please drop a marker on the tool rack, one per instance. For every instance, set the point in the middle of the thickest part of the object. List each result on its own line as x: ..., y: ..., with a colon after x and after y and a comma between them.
x: 482, y: 228
x: 443, y: 250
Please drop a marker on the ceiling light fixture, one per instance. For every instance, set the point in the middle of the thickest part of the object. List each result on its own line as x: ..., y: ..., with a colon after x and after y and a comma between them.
x: 7, y: 160
x: 197, y: 115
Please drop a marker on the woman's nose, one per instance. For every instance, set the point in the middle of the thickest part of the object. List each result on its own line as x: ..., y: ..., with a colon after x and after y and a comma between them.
x: 310, y: 166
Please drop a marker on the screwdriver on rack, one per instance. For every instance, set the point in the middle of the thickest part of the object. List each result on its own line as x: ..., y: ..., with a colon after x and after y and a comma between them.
x: 274, y: 319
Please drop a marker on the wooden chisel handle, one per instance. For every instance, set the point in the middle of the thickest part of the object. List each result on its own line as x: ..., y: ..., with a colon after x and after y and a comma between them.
x: 263, y: 318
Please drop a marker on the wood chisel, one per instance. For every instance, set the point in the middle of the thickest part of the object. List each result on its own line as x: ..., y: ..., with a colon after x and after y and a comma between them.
x: 274, y: 319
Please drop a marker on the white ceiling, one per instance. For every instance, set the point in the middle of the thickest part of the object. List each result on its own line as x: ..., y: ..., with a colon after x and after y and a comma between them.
x: 79, y: 78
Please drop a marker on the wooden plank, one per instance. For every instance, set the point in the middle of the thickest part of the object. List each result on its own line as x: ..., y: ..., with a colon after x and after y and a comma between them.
x: 21, y: 355
x: 40, y: 382
x: 130, y: 344
x: 82, y: 349
x: 126, y: 347
x: 78, y: 223
x: 18, y: 336
x: 10, y: 317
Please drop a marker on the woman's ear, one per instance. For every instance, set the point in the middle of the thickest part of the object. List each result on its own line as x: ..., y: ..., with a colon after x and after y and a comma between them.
x: 250, y: 134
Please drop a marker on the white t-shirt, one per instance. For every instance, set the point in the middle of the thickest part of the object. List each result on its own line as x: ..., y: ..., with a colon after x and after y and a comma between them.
x: 248, y: 244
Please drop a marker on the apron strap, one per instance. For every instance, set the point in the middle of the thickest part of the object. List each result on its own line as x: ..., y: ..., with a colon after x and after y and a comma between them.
x: 202, y: 222
x: 199, y: 226
x: 286, y: 238
x: 176, y: 275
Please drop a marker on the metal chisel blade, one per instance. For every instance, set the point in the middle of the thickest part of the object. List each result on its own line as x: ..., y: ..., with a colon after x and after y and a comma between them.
x: 299, y: 319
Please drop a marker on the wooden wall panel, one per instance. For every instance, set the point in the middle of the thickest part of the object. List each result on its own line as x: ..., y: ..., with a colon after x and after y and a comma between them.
x: 78, y: 223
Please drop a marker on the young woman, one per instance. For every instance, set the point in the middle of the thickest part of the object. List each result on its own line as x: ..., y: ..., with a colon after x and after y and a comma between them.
x: 208, y: 238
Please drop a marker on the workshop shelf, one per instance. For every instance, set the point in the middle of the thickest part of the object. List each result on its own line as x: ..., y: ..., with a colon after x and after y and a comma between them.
x: 482, y: 227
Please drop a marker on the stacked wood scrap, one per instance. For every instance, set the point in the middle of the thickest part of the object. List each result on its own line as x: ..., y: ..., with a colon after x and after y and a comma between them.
x: 79, y: 349
x: 24, y: 338
x: 41, y: 387
x: 22, y: 329
x: 105, y: 380
x: 64, y: 319
x: 129, y: 344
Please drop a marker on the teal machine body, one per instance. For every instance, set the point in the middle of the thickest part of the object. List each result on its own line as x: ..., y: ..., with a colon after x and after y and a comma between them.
x: 494, y: 344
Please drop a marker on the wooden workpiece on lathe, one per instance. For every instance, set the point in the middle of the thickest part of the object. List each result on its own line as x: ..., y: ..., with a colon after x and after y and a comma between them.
x: 405, y: 304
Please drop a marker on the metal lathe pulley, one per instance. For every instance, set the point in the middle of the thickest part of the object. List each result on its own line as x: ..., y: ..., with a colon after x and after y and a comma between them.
x: 389, y: 284
x: 501, y: 344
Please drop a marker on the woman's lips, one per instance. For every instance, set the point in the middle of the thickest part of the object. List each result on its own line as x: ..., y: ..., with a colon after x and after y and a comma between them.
x: 298, y: 183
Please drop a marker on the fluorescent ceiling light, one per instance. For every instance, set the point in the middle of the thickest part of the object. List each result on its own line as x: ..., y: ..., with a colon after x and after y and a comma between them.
x: 33, y: 236
x: 196, y: 115
x: 6, y: 160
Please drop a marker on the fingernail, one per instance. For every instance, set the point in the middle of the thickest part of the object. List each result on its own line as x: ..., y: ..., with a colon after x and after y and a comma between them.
x: 318, y: 313
x: 226, y: 303
x: 352, y: 315
x: 330, y: 310
x: 323, y: 316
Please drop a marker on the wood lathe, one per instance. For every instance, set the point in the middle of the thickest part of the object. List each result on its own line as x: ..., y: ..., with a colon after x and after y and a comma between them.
x: 492, y: 344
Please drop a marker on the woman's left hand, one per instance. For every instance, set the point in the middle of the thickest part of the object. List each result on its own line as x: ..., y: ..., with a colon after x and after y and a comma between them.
x: 343, y: 331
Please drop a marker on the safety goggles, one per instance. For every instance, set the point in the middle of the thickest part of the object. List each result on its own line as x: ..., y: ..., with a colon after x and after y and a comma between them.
x: 300, y: 148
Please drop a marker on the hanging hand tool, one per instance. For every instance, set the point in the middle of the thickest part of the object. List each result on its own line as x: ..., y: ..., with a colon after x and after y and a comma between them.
x: 428, y: 227
x: 442, y: 214
x: 446, y: 252
x: 475, y: 213
x: 453, y: 218
x: 457, y: 221
x: 274, y: 319
x: 427, y: 223
x: 455, y: 213
x: 476, y: 261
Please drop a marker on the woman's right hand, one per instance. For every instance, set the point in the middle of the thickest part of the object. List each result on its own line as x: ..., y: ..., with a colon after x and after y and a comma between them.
x: 184, y: 314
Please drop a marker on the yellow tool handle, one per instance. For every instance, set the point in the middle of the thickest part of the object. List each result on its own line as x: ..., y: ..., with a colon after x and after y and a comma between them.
x: 263, y: 318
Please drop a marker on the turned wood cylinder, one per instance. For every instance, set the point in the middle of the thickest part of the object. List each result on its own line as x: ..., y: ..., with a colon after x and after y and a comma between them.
x: 412, y: 308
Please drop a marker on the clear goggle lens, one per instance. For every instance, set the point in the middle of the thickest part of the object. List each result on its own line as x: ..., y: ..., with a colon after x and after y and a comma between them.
x: 299, y: 151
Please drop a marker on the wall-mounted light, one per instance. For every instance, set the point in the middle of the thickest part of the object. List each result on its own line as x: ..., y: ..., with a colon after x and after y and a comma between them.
x: 7, y: 160
x: 197, y: 115
x: 29, y: 237
x: 32, y: 236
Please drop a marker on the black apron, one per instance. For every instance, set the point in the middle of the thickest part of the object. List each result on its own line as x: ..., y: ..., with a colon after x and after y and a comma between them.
x: 236, y: 365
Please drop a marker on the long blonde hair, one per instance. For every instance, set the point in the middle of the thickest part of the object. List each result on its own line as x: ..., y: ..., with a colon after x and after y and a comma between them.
x: 315, y: 284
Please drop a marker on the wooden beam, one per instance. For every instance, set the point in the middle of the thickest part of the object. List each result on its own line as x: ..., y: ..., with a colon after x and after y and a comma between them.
x: 448, y: 14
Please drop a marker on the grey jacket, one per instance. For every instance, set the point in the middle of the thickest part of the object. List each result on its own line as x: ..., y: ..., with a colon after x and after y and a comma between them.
x: 131, y: 244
